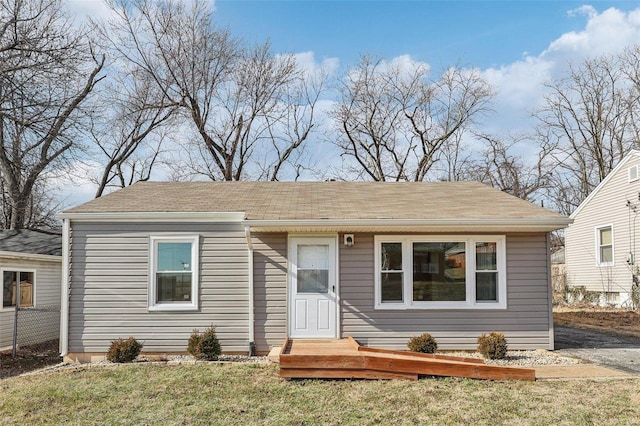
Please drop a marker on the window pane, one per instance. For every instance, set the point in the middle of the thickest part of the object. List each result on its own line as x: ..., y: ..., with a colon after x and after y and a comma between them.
x: 9, y: 288
x: 313, y: 256
x: 173, y: 287
x: 606, y: 254
x: 486, y: 256
x: 174, y: 257
x: 313, y: 281
x: 486, y: 286
x: 392, y: 256
x: 439, y: 272
x: 605, y: 236
x: 391, y: 287
x: 26, y: 289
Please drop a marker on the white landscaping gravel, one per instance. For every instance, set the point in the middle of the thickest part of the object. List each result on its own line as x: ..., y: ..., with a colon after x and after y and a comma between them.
x: 522, y: 358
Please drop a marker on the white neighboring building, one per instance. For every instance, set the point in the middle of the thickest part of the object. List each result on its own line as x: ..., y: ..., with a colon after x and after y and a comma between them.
x: 32, y: 258
x: 602, y: 244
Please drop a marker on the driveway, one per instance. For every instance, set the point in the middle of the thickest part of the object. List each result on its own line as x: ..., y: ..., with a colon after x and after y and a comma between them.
x: 609, y: 350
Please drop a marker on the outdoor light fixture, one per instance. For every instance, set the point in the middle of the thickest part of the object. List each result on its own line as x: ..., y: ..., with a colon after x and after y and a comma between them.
x: 348, y: 240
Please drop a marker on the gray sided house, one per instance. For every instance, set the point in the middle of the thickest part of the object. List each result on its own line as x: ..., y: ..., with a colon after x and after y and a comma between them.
x: 602, y: 242
x: 30, y: 264
x: 261, y: 261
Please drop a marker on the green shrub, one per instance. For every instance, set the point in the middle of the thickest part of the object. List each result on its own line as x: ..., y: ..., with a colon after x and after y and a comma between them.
x: 424, y: 343
x: 204, y: 346
x: 493, y: 345
x: 124, y: 350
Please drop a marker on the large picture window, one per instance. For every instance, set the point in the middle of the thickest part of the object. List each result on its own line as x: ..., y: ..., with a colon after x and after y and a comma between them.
x: 440, y: 272
x: 12, y: 280
x: 174, y: 273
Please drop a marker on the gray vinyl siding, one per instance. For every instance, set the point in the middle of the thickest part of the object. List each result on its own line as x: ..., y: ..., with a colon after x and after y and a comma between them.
x: 607, y: 207
x: 270, y: 289
x: 42, y: 323
x: 525, y: 322
x: 110, y: 279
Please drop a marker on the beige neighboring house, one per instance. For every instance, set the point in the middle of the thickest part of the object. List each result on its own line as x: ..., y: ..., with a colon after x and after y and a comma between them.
x: 262, y: 261
x: 33, y: 259
x: 602, y: 242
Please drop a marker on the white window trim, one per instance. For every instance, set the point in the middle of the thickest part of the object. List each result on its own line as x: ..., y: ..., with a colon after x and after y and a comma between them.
x: 35, y: 280
x: 407, y: 266
x: 195, y: 278
x: 629, y: 173
x: 599, y: 261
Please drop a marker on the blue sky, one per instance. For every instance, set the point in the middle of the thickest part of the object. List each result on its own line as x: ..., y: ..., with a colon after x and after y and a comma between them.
x: 516, y: 45
x: 478, y: 33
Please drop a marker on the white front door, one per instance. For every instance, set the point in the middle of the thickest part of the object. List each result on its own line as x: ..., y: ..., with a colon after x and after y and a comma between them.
x: 312, y: 287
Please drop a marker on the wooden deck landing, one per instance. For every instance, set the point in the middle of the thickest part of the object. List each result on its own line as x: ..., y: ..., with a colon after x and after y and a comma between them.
x: 346, y: 359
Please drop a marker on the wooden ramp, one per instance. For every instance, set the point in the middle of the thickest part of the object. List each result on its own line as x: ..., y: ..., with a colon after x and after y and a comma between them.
x: 346, y: 359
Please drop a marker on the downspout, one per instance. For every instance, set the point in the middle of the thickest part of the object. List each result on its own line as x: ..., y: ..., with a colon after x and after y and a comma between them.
x: 252, y: 344
x: 64, y: 305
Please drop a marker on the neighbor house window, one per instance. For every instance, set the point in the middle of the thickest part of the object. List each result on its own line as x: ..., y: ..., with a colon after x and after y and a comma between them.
x: 18, y: 288
x: 440, y: 272
x: 633, y: 173
x: 173, y: 273
x: 604, y: 242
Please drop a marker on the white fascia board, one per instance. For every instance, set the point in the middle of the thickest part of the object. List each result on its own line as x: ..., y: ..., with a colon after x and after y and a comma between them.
x: 621, y: 164
x: 154, y: 216
x: 30, y: 256
x: 512, y: 225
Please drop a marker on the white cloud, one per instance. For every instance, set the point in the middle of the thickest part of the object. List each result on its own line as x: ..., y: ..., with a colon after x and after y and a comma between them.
x: 608, y: 32
x: 307, y: 62
x: 84, y: 9
x: 520, y: 85
x: 406, y: 64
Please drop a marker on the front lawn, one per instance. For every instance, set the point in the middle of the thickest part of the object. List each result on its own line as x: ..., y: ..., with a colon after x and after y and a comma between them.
x: 254, y: 394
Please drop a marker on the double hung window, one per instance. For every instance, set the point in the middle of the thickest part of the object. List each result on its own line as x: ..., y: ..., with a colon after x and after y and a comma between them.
x: 173, y: 283
x: 604, y: 243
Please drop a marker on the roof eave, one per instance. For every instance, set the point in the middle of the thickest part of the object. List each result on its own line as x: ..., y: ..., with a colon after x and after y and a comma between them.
x: 153, y: 216
x: 334, y: 225
x: 30, y: 256
x: 409, y: 225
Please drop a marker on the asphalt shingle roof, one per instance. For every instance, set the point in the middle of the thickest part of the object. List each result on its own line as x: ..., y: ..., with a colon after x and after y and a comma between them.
x: 31, y: 241
x: 321, y: 200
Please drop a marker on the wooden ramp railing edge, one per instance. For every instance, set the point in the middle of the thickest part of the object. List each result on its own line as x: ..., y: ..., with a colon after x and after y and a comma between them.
x: 351, y: 360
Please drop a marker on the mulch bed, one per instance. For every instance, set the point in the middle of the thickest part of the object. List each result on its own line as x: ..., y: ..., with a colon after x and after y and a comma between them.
x: 29, y: 358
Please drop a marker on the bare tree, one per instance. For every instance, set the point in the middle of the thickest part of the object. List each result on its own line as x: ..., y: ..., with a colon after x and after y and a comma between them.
x: 41, y: 209
x: 394, y: 122
x: 128, y: 134
x: 47, y: 70
x: 457, y: 161
x: 508, y: 170
x: 587, y: 124
x: 235, y: 97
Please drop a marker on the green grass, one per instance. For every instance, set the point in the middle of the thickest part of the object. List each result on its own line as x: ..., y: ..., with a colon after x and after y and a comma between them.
x: 254, y: 394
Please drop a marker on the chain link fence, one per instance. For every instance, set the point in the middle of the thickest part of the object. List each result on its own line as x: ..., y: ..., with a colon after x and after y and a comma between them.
x: 30, y: 337
x: 35, y: 329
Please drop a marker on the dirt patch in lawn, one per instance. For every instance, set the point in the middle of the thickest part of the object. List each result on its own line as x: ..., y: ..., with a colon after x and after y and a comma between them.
x: 29, y: 358
x: 623, y: 322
